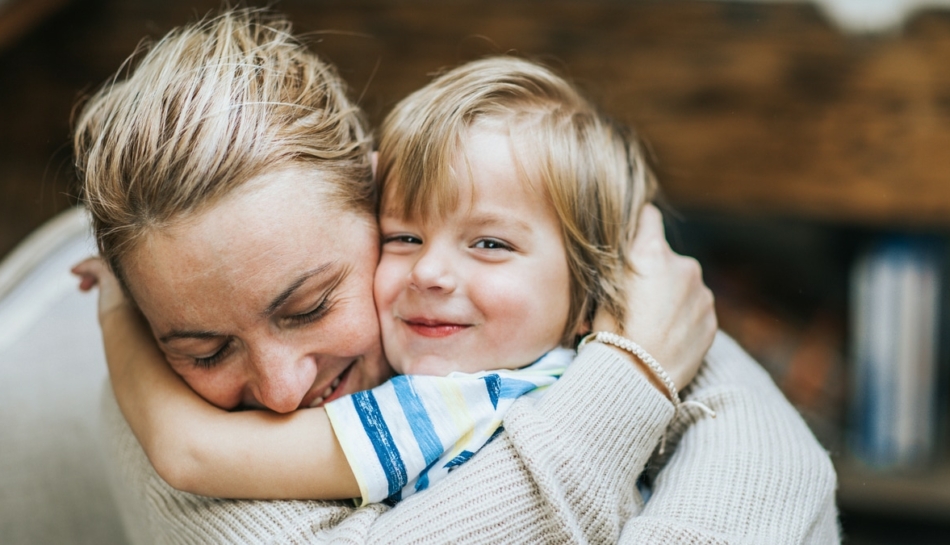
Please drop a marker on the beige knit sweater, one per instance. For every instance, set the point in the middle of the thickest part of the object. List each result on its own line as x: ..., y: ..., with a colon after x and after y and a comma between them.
x: 563, y: 472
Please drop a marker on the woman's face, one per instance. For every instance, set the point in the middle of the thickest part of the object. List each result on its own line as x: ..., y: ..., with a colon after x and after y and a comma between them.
x: 265, y: 299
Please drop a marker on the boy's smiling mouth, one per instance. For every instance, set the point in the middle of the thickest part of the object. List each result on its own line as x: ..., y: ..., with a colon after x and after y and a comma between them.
x: 433, y: 328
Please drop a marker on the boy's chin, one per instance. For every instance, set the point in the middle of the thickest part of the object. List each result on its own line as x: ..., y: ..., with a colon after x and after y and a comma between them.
x: 426, y: 365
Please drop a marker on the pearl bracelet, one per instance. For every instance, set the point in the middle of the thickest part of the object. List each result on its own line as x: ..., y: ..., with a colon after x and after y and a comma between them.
x: 627, y: 345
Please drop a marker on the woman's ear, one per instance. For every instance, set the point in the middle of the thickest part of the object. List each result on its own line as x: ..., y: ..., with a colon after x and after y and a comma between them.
x: 373, y: 160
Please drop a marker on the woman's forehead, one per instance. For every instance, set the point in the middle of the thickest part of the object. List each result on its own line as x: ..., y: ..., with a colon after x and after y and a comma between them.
x: 246, y: 246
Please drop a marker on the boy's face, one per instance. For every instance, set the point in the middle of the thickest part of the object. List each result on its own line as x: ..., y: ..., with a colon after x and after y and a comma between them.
x: 483, y: 286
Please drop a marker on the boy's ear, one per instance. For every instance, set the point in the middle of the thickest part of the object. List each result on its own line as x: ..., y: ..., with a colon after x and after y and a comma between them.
x: 373, y: 159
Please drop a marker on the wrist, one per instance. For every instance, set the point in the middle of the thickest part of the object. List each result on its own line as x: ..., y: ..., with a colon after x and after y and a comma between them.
x: 643, y: 362
x: 641, y: 368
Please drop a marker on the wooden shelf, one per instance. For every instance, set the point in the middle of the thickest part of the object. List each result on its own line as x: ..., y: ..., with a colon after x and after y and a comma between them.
x: 17, y: 17
x: 923, y: 494
x: 750, y: 108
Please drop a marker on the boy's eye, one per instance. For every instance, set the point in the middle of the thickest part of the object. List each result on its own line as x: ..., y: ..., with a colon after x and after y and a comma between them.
x: 491, y: 244
x: 404, y: 239
x: 208, y: 362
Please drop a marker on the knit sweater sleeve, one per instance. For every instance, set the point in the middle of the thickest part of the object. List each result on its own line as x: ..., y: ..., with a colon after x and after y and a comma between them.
x: 561, y: 472
x: 754, y: 474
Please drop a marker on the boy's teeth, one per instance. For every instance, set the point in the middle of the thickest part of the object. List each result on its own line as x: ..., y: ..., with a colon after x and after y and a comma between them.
x: 336, y: 382
x: 316, y: 402
x: 327, y: 392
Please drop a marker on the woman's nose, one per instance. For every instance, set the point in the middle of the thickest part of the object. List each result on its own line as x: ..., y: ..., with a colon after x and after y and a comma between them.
x: 433, y: 271
x: 282, y: 378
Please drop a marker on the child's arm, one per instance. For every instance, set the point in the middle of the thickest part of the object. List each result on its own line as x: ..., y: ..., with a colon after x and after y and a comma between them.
x: 199, y: 448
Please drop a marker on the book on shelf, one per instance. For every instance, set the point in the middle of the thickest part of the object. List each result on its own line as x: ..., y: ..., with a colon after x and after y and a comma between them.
x: 895, y: 336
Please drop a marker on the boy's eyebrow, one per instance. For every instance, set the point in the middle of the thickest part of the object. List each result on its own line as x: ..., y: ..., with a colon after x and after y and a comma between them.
x: 481, y: 219
x: 487, y: 219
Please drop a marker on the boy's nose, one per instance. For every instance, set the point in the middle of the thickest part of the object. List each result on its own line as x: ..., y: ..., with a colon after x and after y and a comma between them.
x: 432, y: 272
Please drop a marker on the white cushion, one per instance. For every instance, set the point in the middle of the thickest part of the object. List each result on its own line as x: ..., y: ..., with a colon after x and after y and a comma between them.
x: 53, y: 486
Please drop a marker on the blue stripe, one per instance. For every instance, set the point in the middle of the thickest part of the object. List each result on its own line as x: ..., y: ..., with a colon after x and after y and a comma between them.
x: 420, y: 423
x: 368, y: 410
x: 493, y: 383
x: 463, y: 457
x: 513, y: 388
x: 423, y: 481
x: 494, y: 435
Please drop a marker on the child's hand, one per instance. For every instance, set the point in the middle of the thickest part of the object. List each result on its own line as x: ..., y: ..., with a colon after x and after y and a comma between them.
x: 94, y: 272
x: 669, y: 310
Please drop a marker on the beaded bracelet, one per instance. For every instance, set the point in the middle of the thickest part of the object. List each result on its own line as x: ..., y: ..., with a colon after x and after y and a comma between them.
x: 627, y: 345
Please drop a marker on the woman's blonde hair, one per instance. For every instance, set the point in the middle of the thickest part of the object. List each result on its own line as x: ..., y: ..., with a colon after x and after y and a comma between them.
x: 593, y: 170
x: 209, y: 107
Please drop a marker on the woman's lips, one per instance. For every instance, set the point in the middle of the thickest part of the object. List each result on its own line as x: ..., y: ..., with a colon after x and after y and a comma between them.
x: 335, y: 389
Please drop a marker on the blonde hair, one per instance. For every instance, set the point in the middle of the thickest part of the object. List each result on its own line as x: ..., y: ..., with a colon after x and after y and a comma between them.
x: 593, y: 170
x: 209, y: 107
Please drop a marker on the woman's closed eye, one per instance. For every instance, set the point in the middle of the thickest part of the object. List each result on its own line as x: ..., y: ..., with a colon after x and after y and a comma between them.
x: 310, y: 316
x: 207, y: 362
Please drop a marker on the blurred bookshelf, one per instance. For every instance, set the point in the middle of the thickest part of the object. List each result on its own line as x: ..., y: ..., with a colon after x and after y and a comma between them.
x: 785, y: 290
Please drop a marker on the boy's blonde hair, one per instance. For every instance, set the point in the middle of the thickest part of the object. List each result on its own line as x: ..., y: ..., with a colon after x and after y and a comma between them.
x: 593, y: 170
x: 209, y: 107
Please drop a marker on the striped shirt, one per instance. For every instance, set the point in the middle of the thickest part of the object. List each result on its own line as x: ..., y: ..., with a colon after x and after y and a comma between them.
x: 406, y: 434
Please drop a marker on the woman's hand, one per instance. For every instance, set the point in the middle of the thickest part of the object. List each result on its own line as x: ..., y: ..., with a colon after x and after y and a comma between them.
x: 94, y: 272
x: 669, y: 309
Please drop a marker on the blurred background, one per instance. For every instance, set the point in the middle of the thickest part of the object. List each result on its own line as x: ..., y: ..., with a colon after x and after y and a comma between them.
x: 803, y: 149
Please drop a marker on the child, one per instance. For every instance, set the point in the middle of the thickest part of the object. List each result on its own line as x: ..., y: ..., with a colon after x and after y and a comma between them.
x: 506, y: 204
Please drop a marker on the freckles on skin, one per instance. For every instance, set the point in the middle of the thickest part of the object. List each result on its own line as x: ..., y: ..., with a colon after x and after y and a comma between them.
x: 222, y: 270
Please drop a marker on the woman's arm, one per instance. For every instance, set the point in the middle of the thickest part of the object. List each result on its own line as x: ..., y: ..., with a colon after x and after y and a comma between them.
x: 755, y: 474
x: 193, y: 445
x: 563, y: 471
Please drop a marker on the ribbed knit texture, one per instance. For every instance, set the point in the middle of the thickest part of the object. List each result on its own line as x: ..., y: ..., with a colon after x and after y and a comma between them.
x: 562, y: 472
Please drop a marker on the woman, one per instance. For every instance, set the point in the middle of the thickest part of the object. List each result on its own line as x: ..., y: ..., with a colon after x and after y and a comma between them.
x: 230, y: 185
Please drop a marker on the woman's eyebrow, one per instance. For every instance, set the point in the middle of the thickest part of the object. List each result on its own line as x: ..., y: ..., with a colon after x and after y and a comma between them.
x: 180, y: 334
x: 289, y: 290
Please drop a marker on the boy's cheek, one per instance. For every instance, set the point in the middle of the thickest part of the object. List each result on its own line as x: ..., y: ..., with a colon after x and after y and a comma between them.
x: 386, y: 284
x: 384, y: 292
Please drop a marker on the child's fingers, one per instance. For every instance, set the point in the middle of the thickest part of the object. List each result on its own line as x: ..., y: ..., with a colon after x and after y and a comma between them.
x: 91, y: 265
x: 89, y: 272
x: 86, y: 283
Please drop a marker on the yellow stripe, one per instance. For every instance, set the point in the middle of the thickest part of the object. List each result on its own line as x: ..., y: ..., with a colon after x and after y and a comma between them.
x: 459, y: 411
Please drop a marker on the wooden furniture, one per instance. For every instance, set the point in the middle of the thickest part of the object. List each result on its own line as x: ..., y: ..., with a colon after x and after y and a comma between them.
x: 19, y: 17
